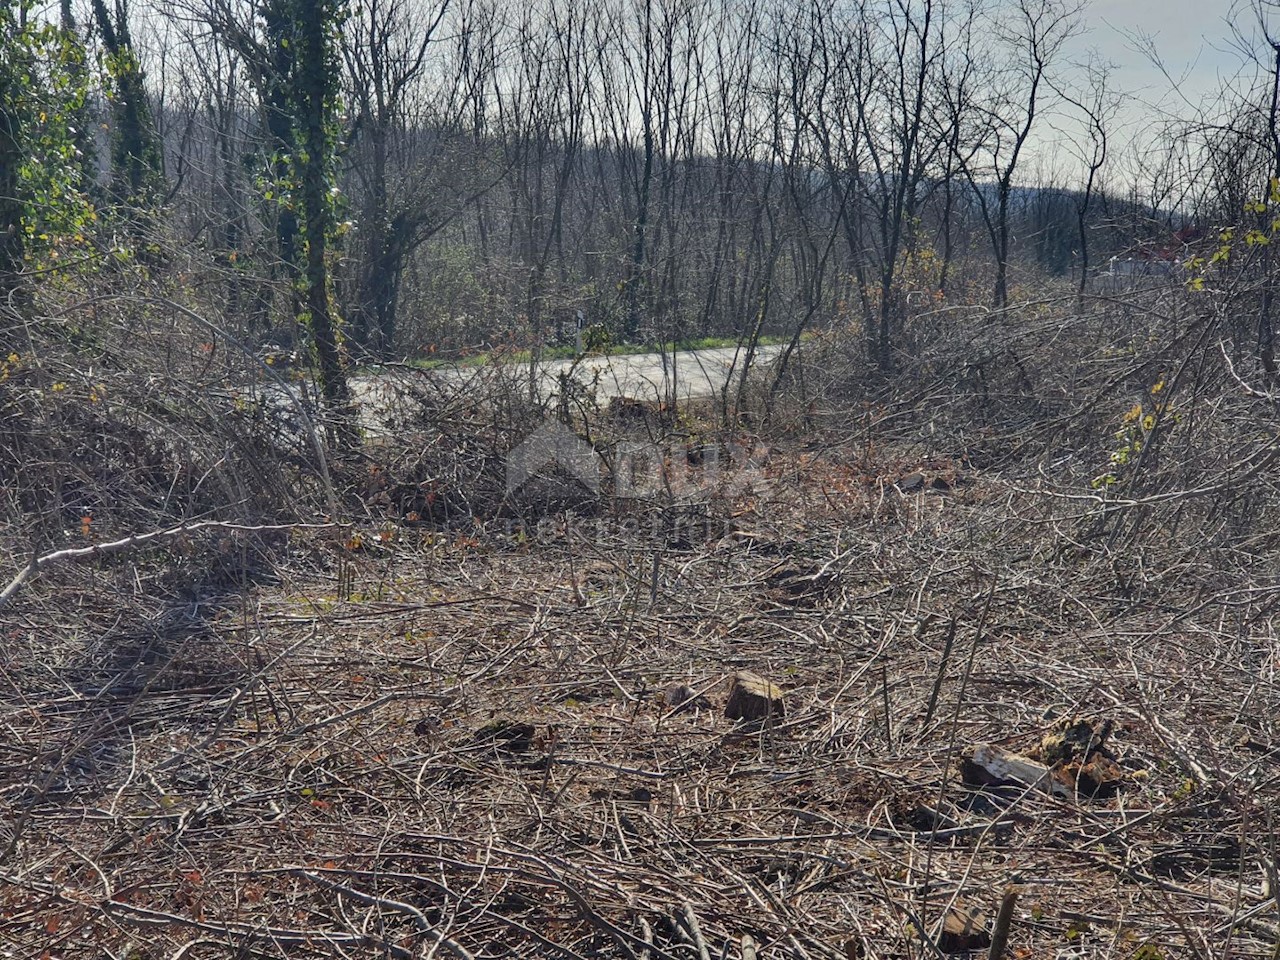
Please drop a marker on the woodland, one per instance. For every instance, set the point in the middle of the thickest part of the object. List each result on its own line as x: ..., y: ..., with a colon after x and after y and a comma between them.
x: 634, y: 479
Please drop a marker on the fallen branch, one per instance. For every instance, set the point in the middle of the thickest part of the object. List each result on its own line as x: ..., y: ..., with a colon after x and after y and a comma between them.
x: 137, y: 540
x: 419, y: 921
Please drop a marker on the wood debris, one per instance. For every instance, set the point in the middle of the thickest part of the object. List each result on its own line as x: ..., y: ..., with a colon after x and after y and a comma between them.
x: 990, y: 765
x: 752, y: 697
x: 1071, y: 759
x: 963, y: 929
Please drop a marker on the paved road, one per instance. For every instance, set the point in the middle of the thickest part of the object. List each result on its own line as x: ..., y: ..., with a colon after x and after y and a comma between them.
x: 641, y: 376
x: 645, y: 376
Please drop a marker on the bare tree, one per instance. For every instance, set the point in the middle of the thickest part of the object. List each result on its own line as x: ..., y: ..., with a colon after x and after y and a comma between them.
x: 958, y: 125
x: 811, y: 206
x: 385, y: 48
x: 1097, y: 105
x: 895, y: 124
x: 1030, y: 38
x: 137, y: 160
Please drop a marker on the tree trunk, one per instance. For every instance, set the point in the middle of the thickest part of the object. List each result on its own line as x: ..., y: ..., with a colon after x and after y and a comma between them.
x: 314, y: 82
x: 137, y: 158
x: 12, y: 225
x: 279, y: 121
x: 1000, y: 295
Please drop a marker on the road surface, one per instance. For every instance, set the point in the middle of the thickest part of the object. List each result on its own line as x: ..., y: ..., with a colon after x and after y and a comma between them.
x: 641, y: 376
x: 645, y: 376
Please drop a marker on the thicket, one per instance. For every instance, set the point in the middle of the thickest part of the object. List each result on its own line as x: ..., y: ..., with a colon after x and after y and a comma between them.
x: 208, y: 232
x: 222, y: 227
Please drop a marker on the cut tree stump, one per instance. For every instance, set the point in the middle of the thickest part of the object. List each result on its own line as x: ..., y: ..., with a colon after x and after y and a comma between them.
x: 963, y: 930
x: 752, y: 697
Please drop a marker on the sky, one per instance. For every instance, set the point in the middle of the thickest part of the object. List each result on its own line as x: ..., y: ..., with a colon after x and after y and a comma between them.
x: 1194, y: 39
x: 1199, y: 49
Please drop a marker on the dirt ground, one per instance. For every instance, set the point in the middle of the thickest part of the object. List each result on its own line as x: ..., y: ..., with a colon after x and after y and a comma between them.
x: 512, y: 741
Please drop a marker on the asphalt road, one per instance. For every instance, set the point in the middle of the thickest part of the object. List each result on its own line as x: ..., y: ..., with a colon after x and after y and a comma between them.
x: 689, y: 374
x: 645, y: 376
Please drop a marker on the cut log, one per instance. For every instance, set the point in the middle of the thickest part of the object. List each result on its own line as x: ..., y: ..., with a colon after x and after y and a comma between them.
x: 1000, y: 766
x: 752, y: 697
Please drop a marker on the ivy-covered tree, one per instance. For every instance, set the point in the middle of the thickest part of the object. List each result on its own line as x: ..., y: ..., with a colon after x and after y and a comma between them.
x: 274, y: 74
x: 313, y: 90
x: 290, y: 50
x: 44, y: 210
x: 137, y: 159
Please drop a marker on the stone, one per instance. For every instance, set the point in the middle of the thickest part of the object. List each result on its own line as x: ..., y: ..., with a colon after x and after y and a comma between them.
x: 681, y: 697
x: 912, y: 483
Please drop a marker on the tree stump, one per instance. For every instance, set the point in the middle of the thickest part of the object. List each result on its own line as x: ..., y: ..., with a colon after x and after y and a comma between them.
x: 752, y: 697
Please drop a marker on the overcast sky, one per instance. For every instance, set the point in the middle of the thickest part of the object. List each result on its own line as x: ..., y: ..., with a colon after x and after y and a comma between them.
x: 1194, y: 38
x: 1198, y: 48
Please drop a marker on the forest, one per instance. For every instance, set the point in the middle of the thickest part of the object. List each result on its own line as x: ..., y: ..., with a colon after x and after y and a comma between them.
x: 635, y: 478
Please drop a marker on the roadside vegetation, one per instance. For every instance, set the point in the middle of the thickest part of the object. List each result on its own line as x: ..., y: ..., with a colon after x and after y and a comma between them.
x: 569, y: 351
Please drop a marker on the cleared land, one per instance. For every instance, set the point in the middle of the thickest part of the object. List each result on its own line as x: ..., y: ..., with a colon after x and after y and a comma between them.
x: 409, y: 742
